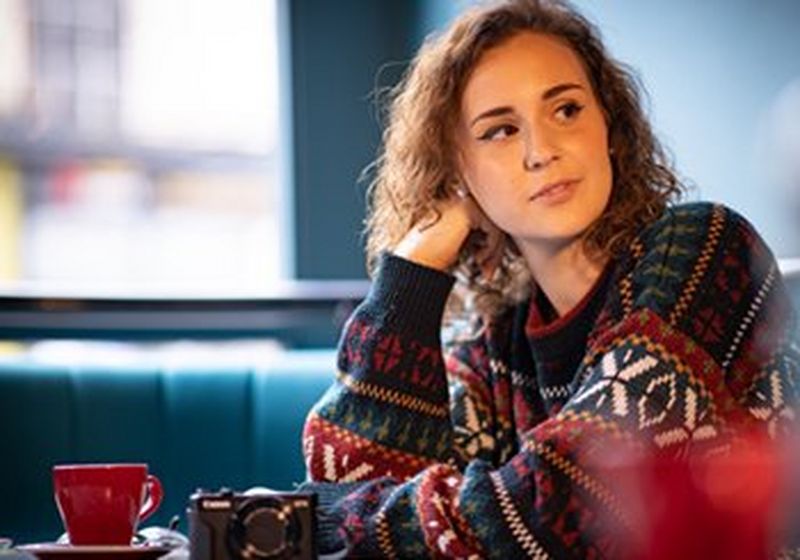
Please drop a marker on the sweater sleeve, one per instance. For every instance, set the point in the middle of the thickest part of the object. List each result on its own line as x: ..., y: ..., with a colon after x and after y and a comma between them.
x: 680, y: 359
x: 387, y: 412
x: 386, y: 418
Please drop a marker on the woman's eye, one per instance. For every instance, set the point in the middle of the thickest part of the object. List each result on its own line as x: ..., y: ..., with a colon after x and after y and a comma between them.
x: 568, y: 111
x: 498, y: 132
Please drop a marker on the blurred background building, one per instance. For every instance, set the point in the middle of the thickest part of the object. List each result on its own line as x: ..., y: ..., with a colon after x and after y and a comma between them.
x: 138, y: 142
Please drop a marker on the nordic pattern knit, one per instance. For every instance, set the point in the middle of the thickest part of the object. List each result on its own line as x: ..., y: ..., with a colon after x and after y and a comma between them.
x: 483, y: 449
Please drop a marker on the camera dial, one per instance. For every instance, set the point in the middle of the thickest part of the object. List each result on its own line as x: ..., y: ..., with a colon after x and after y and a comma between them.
x: 263, y: 527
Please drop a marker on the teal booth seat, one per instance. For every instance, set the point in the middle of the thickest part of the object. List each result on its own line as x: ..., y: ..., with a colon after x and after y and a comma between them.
x: 196, y: 428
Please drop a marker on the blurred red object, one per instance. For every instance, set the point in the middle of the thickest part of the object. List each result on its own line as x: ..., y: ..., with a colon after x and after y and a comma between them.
x: 731, y: 502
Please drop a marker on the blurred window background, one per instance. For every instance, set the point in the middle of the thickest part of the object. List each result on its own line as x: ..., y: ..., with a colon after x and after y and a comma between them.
x: 138, y: 143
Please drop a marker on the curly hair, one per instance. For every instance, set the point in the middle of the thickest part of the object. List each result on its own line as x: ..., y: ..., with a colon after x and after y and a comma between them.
x: 417, y: 166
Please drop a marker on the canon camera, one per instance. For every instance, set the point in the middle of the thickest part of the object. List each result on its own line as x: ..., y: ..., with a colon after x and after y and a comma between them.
x: 274, y: 525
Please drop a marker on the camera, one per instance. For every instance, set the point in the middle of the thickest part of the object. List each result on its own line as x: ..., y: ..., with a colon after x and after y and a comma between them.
x: 228, y: 525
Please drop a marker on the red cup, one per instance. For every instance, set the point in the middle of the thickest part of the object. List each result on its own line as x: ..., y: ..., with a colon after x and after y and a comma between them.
x: 102, y: 504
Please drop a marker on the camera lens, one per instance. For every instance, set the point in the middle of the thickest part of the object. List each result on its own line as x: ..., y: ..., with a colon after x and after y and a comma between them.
x: 263, y: 527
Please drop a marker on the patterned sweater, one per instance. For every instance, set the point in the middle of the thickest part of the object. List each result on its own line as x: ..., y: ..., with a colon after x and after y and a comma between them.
x: 485, y: 448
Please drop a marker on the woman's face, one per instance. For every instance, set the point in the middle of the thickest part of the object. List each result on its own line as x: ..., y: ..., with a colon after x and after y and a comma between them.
x: 532, y: 142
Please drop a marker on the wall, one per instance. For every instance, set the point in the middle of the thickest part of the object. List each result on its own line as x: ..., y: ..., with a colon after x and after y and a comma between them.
x: 337, y: 50
x: 715, y: 70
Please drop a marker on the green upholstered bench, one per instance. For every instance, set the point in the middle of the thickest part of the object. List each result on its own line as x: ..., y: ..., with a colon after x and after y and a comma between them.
x: 236, y: 427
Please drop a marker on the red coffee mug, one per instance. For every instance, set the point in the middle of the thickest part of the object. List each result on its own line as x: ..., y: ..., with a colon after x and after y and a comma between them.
x: 101, y: 504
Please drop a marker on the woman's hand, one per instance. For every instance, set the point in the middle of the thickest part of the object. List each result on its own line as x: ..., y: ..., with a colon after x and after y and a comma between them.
x: 436, y: 241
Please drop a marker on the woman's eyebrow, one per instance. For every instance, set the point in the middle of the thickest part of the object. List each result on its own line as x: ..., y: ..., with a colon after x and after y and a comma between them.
x: 559, y: 89
x: 548, y: 94
x: 496, y: 112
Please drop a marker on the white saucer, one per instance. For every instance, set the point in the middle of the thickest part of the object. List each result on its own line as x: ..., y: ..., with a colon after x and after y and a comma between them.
x: 46, y: 551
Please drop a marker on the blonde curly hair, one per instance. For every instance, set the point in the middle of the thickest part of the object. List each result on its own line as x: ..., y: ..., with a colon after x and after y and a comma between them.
x: 417, y: 166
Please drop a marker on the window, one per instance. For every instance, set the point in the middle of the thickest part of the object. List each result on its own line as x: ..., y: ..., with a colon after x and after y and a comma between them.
x: 139, y: 143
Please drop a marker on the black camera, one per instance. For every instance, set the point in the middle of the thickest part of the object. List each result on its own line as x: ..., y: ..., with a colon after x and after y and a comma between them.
x: 274, y: 525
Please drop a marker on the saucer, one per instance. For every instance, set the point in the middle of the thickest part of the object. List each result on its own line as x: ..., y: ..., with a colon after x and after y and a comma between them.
x: 54, y: 551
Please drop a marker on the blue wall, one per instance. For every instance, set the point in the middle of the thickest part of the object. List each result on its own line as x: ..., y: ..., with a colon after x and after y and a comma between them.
x: 337, y: 52
x: 713, y: 70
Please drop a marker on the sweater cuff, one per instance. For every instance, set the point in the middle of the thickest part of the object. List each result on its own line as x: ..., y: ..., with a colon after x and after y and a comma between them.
x: 411, y: 296
x: 330, y: 516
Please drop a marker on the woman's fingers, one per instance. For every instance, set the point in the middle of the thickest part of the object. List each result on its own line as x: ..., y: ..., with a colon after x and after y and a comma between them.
x: 457, y: 223
x: 436, y: 239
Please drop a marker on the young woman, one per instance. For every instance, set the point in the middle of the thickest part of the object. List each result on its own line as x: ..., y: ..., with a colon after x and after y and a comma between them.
x: 588, y: 307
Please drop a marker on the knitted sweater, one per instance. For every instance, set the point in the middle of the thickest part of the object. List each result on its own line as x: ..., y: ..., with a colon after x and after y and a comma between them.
x: 485, y: 448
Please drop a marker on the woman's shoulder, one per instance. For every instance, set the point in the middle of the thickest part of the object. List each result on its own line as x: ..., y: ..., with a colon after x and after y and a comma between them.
x: 692, y: 215
x: 691, y: 245
x: 689, y: 229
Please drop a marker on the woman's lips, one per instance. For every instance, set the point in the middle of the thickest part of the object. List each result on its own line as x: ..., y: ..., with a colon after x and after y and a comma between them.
x: 555, y: 192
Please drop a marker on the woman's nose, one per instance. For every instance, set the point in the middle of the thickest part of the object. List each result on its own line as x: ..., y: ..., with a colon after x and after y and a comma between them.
x: 540, y: 151
x: 538, y: 162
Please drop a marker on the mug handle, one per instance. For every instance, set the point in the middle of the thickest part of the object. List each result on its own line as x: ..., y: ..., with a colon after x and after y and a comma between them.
x: 155, y: 493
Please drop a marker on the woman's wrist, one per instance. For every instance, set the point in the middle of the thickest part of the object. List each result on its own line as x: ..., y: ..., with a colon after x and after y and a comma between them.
x: 419, y: 254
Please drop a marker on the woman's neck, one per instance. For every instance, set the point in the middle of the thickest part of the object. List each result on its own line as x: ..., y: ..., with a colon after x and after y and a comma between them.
x: 565, y: 274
